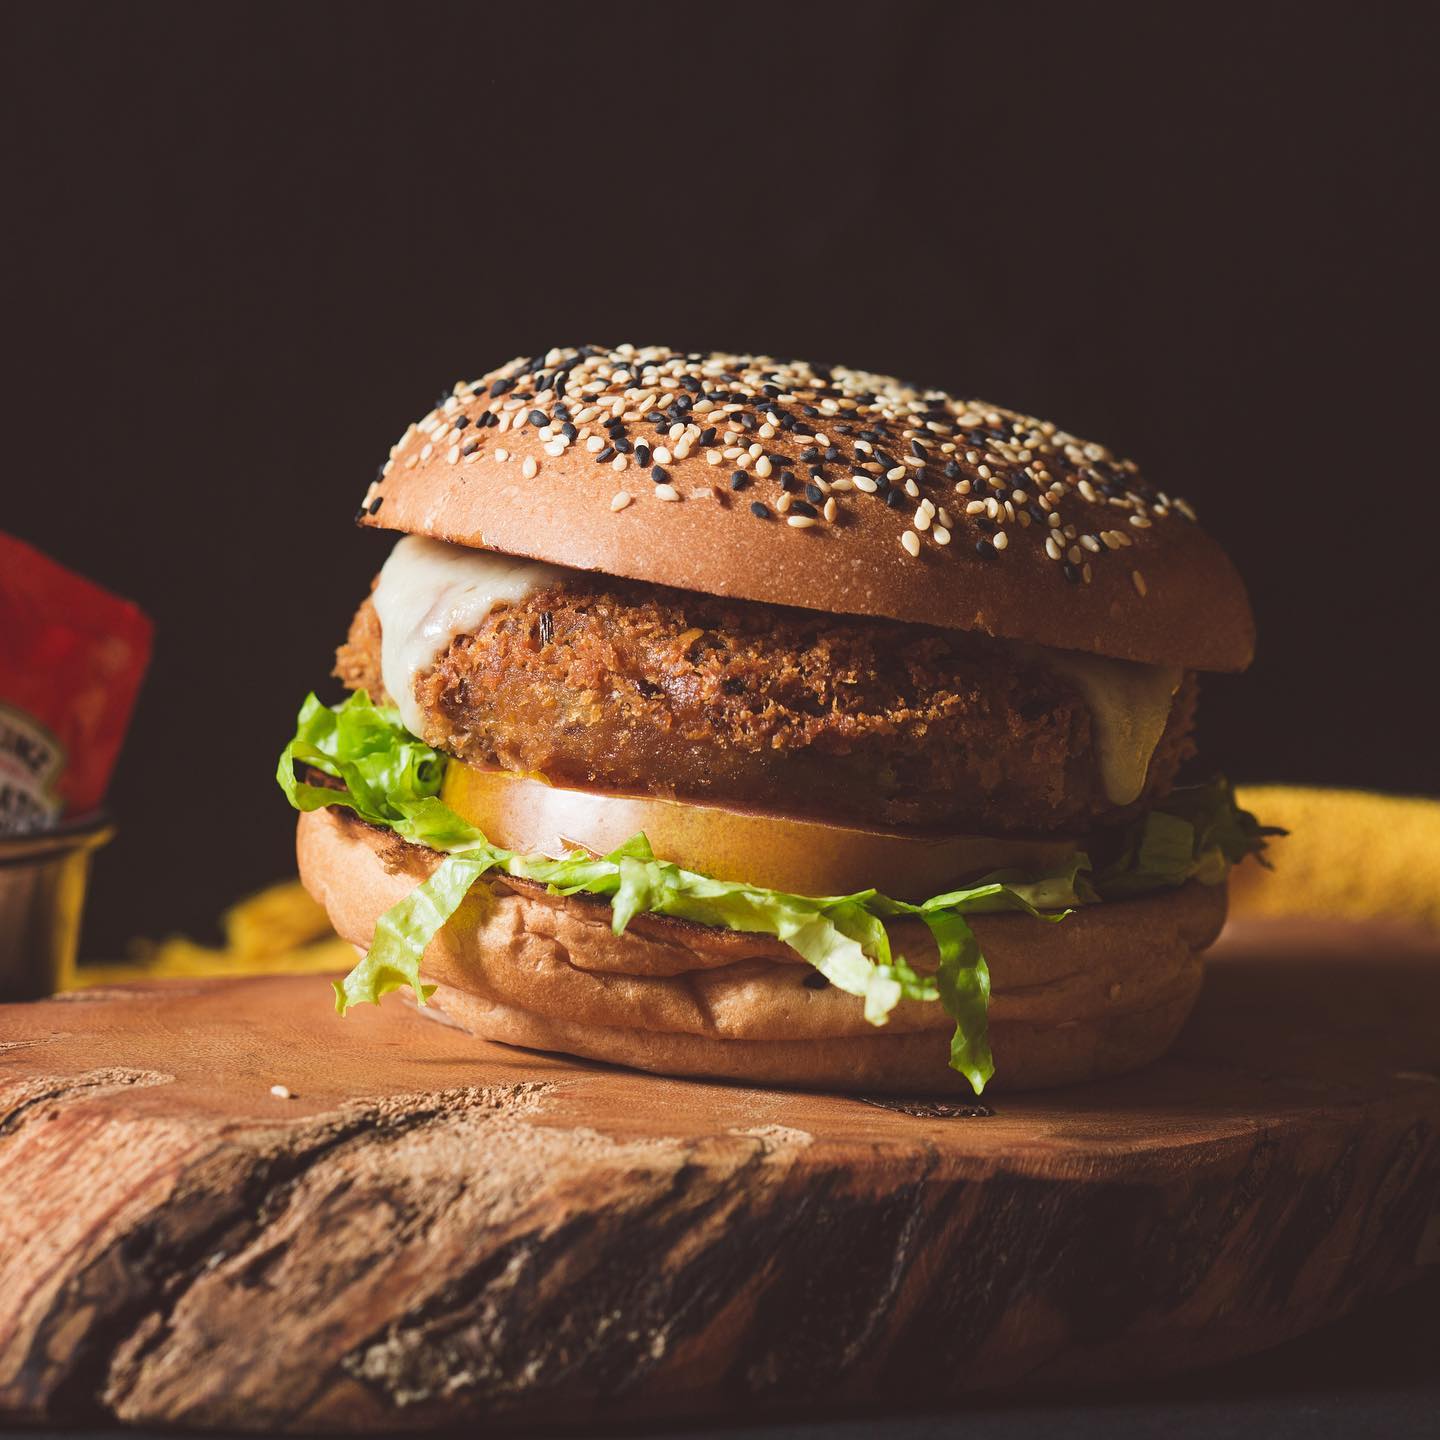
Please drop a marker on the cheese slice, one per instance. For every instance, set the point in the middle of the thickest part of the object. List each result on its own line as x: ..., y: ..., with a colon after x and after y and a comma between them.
x: 430, y: 592
x: 1129, y: 706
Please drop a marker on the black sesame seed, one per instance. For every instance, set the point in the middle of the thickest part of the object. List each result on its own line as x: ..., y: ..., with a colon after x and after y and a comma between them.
x: 951, y: 471
x: 817, y: 472
x: 608, y: 453
x: 801, y: 508
x: 809, y: 453
x: 376, y: 503
x: 759, y: 509
x: 748, y: 421
x: 739, y: 480
x: 916, y: 448
x: 815, y: 493
x: 660, y: 475
x: 569, y: 431
x: 538, y: 418
x: 815, y: 981
x: 623, y: 445
x: 470, y: 447
x: 462, y: 422
x: 788, y: 483
x: 642, y: 456
x: 895, y: 499
x: 501, y: 387
x: 832, y: 452
x: 707, y: 436
x: 985, y: 550
x: 1071, y: 572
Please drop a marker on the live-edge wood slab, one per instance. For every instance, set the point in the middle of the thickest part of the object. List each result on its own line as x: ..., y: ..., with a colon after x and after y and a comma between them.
x: 434, y: 1231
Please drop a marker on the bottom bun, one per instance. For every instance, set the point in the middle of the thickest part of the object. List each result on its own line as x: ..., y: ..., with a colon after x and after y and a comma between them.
x: 1101, y: 992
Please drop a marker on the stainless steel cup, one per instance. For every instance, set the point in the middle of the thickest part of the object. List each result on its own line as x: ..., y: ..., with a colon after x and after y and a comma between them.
x: 43, y: 876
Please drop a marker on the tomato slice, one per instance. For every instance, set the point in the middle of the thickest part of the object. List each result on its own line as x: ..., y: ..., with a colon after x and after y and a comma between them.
x: 801, y: 855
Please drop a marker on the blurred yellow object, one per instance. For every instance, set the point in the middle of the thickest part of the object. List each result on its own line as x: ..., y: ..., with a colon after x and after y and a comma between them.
x: 279, y: 931
x: 1350, y: 855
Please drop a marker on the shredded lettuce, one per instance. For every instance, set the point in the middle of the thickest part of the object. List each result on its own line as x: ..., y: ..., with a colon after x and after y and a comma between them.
x: 391, y: 779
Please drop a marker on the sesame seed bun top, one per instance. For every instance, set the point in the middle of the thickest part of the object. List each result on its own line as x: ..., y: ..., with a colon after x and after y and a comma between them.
x: 821, y: 487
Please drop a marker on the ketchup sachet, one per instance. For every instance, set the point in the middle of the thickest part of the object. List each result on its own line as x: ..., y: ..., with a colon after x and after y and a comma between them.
x: 72, y: 657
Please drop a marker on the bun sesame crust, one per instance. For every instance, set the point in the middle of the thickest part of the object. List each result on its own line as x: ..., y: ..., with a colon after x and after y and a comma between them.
x: 826, y: 488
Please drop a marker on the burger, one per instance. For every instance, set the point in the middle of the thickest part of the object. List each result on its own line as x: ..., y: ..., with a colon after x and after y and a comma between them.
x: 727, y: 716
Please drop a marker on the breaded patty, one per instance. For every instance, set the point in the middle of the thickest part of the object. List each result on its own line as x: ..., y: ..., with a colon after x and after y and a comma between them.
x: 615, y: 685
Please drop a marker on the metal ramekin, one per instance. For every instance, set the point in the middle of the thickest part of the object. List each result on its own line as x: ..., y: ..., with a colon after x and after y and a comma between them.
x: 42, y: 899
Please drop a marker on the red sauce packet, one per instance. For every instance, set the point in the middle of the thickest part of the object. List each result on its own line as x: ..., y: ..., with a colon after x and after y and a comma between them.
x: 72, y: 657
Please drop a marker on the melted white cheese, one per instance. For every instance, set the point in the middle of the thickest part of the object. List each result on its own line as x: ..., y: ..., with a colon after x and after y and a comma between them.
x: 1129, y: 707
x: 430, y: 592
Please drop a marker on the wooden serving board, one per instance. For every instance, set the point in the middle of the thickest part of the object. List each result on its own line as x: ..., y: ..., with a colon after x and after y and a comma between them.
x: 433, y: 1231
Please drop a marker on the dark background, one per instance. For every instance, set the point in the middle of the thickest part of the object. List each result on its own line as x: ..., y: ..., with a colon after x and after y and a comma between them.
x: 245, y: 246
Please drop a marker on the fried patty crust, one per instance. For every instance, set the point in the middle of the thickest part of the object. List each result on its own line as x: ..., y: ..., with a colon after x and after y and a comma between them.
x: 616, y: 685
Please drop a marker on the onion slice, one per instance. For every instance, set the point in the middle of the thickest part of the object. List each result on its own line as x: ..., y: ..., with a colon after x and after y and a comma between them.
x: 802, y: 856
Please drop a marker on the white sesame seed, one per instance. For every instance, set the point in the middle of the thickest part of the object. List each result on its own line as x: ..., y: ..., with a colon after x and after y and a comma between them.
x: 785, y: 501
x: 941, y: 534
x: 830, y: 509
x: 999, y: 539
x: 896, y: 473
x: 620, y: 499
x: 619, y: 463
x: 281, y: 1092
x: 556, y: 447
x: 1140, y: 522
x: 1138, y: 580
x: 865, y: 483
x: 799, y: 522
x: 713, y: 457
x: 666, y: 492
x: 1090, y: 543
x: 1052, y: 549
x: 529, y: 468
x: 763, y: 466
x: 911, y: 541
x: 594, y: 443
x: 501, y: 453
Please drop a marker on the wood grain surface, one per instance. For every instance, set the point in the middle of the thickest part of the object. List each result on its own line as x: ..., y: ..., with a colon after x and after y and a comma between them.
x: 432, y: 1231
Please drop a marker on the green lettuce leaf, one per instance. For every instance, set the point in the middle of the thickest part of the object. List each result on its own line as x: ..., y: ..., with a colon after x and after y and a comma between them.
x: 391, y: 779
